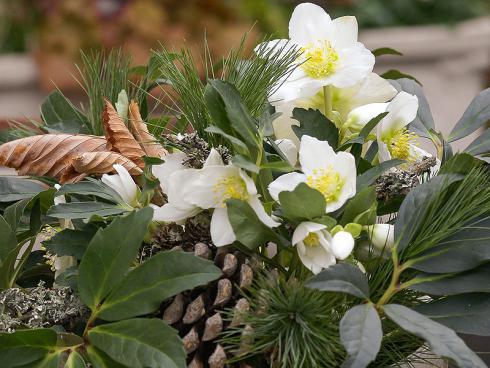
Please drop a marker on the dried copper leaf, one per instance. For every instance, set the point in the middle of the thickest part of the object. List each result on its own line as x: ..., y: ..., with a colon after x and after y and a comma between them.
x: 119, y: 138
x: 140, y: 131
x: 48, y: 154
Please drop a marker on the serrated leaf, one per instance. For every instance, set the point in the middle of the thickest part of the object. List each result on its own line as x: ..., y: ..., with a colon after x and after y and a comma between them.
x: 164, y: 275
x: 315, y: 124
x: 368, y: 177
x: 476, y: 115
x: 16, y: 189
x: 361, y: 335
x: 84, y: 210
x: 26, y: 346
x: 109, y: 255
x: 342, y: 278
x: 70, y: 242
x: 442, y: 340
x: 140, y: 343
x: 303, y: 203
x: 465, y: 313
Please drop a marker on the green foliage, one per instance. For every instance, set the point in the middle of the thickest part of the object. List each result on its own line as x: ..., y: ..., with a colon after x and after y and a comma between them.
x: 26, y: 346
x: 315, y: 124
x: 84, y: 210
x: 303, y: 203
x: 361, y: 209
x: 15, y: 189
x: 396, y: 74
x: 386, y: 51
x: 59, y: 115
x: 370, y: 175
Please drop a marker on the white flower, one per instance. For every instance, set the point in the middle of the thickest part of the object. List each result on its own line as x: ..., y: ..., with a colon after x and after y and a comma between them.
x: 330, y: 52
x: 382, y: 236
x: 332, y: 174
x: 394, y: 138
x: 360, y: 116
x: 123, y: 184
x: 289, y: 149
x: 317, y: 249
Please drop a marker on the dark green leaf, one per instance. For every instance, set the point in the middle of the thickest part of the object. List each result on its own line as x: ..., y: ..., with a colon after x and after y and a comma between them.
x: 26, y: 346
x: 8, y: 241
x: 303, y: 203
x: 342, y: 278
x: 473, y: 281
x: 140, y: 343
x: 109, y: 255
x: 361, y: 334
x: 480, y: 145
x: 361, y: 209
x: 60, y: 115
x: 368, y: 128
x: 415, y: 206
x: 164, y: 275
x: 476, y: 115
x: 396, y: 74
x: 248, y: 228
x: 99, y: 359
x: 244, y: 163
x: 442, y: 340
x: 84, y: 210
x: 386, y: 51
x: 372, y: 174
x: 14, y: 188
x: 91, y: 187
x: 461, y: 163
x: 235, y: 141
x: 69, y: 242
x: 75, y: 360
x: 315, y: 124
x: 69, y: 278
x: 465, y: 313
x: 14, y: 212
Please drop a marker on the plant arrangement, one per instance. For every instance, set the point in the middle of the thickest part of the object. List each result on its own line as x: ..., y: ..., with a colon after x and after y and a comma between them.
x: 282, y: 215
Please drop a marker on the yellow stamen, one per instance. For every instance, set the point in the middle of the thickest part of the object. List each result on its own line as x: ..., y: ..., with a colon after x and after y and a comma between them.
x: 399, y: 144
x: 320, y: 59
x: 311, y: 240
x: 230, y: 187
x: 326, y: 181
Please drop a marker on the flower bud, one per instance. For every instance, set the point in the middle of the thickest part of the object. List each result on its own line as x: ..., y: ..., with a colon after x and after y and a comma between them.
x: 342, y: 245
x: 382, y: 236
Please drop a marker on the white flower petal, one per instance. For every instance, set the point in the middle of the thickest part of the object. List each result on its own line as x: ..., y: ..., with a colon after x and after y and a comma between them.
x: 401, y: 112
x: 172, y: 212
x: 289, y: 149
x: 221, y: 230
x: 173, y: 163
x: 285, y: 183
x: 309, y: 23
x: 116, y: 183
x: 259, y: 210
x: 355, y: 63
x: 249, y: 183
x: 360, y: 116
x: 214, y: 158
x: 179, y: 184
x: 345, y: 31
x: 305, y: 228
x: 283, y: 124
x: 382, y: 236
x: 314, y: 154
x: 129, y: 186
x: 342, y: 245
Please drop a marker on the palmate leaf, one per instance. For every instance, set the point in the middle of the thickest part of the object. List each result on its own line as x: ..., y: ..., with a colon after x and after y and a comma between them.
x: 442, y: 340
x: 465, y: 313
x: 342, y: 278
x: 140, y: 343
x: 109, y: 255
x: 361, y: 335
x: 315, y: 124
x: 166, y: 274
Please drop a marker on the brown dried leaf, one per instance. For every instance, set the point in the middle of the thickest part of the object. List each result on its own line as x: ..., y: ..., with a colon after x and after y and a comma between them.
x: 48, y: 154
x: 140, y: 131
x: 119, y: 138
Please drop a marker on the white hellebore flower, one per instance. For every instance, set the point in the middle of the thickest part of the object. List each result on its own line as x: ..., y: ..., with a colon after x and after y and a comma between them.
x: 123, y: 184
x: 382, y: 236
x: 289, y: 149
x: 332, y: 174
x: 330, y: 52
x: 317, y: 249
x: 213, y: 186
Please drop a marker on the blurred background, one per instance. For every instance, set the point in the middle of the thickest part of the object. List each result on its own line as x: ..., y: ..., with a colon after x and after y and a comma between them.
x: 446, y: 43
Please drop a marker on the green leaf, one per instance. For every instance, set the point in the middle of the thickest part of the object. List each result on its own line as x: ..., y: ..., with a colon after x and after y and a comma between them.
x: 476, y: 115
x: 164, y: 275
x: 315, y: 124
x: 84, y: 210
x: 244, y: 163
x: 386, y: 51
x: 235, y: 141
x: 480, y: 145
x: 91, y: 187
x: 472, y: 281
x: 26, y: 346
x: 99, y: 359
x: 361, y: 209
x: 415, y: 206
x: 368, y: 177
x: 8, y: 241
x: 342, y: 278
x: 462, y: 251
x: 15, y: 189
x: 303, y: 203
x: 14, y: 212
x: 465, y: 313
x: 69, y: 242
x: 461, y: 163
x: 361, y: 335
x: 60, y: 115
x: 396, y: 74
x: 442, y: 340
x: 109, y: 255
x: 69, y: 278
x: 140, y: 343
x: 122, y: 105
x: 75, y: 360
x: 248, y: 228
